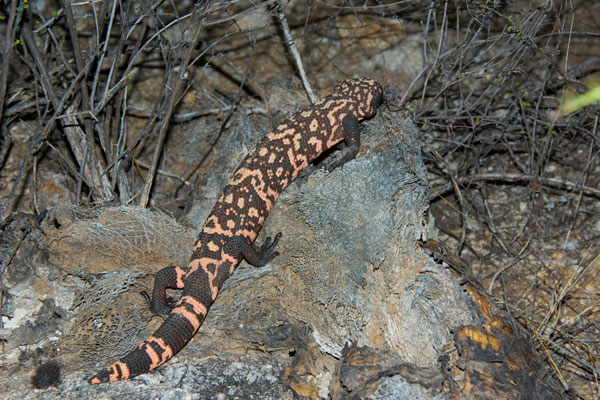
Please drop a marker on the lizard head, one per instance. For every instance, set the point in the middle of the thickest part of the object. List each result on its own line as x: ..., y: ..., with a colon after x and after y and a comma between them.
x: 366, y: 93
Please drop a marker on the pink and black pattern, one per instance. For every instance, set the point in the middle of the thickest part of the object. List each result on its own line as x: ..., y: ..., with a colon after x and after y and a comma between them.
x: 236, y: 219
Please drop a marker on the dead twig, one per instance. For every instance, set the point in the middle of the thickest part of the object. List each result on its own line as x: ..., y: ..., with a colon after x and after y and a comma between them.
x: 292, y: 46
x: 173, y: 97
x: 35, y: 143
x: 82, y: 146
x: 189, y: 116
x: 11, y: 28
x: 457, y: 192
x: 512, y: 178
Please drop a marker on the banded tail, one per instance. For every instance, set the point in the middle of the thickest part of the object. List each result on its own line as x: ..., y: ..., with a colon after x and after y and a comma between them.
x: 176, y: 331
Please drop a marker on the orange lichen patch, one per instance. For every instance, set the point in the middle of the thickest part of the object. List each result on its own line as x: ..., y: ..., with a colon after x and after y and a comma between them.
x: 484, y: 307
x: 301, y: 381
x: 477, y: 336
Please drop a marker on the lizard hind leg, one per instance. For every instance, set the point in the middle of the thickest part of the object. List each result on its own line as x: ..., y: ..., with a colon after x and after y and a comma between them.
x: 167, y: 278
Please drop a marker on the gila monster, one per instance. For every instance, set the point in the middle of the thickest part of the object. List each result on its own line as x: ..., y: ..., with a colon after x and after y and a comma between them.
x: 237, y: 217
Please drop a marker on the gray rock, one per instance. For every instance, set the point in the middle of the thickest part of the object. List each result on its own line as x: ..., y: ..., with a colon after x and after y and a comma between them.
x: 349, y: 273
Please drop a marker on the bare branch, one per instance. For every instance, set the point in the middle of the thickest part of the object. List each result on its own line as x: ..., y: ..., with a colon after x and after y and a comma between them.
x: 292, y: 46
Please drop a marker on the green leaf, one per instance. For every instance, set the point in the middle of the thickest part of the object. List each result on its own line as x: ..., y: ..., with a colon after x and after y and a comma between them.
x: 578, y: 102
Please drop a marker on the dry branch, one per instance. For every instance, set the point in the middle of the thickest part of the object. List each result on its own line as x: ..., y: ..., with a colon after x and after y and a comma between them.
x: 292, y: 46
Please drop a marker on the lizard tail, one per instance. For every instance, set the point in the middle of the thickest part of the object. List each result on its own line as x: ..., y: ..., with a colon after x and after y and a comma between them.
x: 178, y: 329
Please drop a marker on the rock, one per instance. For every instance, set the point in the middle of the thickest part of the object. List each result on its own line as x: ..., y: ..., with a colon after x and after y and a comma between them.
x: 352, y: 308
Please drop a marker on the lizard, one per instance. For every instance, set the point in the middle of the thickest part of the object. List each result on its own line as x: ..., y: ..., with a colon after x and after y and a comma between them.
x: 233, y: 224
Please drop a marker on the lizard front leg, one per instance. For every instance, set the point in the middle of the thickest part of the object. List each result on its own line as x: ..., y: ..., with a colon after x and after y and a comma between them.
x: 351, y: 133
x: 237, y: 245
